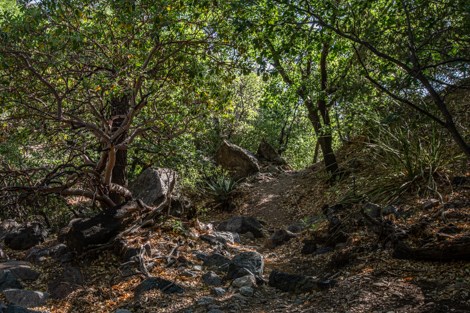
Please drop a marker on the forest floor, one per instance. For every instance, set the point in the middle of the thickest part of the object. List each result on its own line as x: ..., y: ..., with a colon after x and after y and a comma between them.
x: 368, y: 278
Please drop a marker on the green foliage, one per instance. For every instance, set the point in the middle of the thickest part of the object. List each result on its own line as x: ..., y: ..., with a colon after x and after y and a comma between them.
x: 413, y: 158
x: 177, y: 226
x: 221, y: 187
x: 195, y: 72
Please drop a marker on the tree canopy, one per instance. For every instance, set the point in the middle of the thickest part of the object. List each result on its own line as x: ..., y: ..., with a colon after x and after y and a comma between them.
x: 91, y: 87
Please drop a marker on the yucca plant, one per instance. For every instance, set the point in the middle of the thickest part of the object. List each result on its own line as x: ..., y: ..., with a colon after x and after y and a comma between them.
x: 221, y: 188
x: 413, y: 159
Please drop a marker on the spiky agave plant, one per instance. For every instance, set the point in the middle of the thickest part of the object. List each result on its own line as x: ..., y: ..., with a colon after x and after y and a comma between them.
x: 221, y: 188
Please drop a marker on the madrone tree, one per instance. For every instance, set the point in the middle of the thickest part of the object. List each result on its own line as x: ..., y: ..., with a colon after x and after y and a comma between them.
x: 89, y: 77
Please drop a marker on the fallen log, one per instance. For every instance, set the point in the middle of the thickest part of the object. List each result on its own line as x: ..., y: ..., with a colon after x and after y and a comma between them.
x: 103, y: 227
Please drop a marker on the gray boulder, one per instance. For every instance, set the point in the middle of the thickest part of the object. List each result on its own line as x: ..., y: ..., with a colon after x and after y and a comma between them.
x: 216, y: 262
x: 25, y: 298
x: 246, y: 263
x: 245, y: 281
x: 20, y: 269
x: 221, y: 237
x: 242, y: 225
x: 246, y: 291
x: 38, y: 255
x: 267, y: 153
x: 25, y: 237
x: 153, y: 185
x: 238, y: 161
x: 212, y: 279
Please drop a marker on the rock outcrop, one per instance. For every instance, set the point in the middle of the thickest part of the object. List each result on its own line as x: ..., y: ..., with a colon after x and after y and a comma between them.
x: 238, y: 161
x: 153, y: 185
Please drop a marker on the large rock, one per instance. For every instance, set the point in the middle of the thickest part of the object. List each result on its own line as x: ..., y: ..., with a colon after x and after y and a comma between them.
x: 238, y: 161
x: 297, y: 283
x: 25, y: 237
x: 153, y: 185
x: 267, y: 153
x: 20, y: 269
x: 217, y: 262
x: 25, y: 298
x: 246, y: 263
x: 242, y: 225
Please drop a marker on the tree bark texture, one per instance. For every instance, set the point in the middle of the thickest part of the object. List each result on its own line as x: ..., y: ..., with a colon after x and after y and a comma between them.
x: 119, y: 109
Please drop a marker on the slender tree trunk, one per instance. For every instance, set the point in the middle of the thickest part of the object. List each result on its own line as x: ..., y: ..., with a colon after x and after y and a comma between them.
x: 317, y: 152
x: 325, y: 139
x: 119, y: 109
x: 320, y: 118
x: 321, y: 125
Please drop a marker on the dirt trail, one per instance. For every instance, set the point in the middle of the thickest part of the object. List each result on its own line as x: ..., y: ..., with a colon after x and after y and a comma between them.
x: 280, y: 199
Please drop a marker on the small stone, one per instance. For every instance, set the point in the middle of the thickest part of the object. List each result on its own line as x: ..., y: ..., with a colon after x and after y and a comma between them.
x: 431, y: 203
x: 280, y: 237
x: 221, y: 237
x: 242, y: 225
x: 218, y: 291
x: 25, y: 298
x: 211, y: 279
x: 122, y: 311
x: 197, y: 268
x: 246, y: 291
x: 215, y: 311
x: 245, y: 281
x: 200, y: 255
x: 20, y: 269
x: 205, y: 301
x: 188, y: 274
x: 161, y: 284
